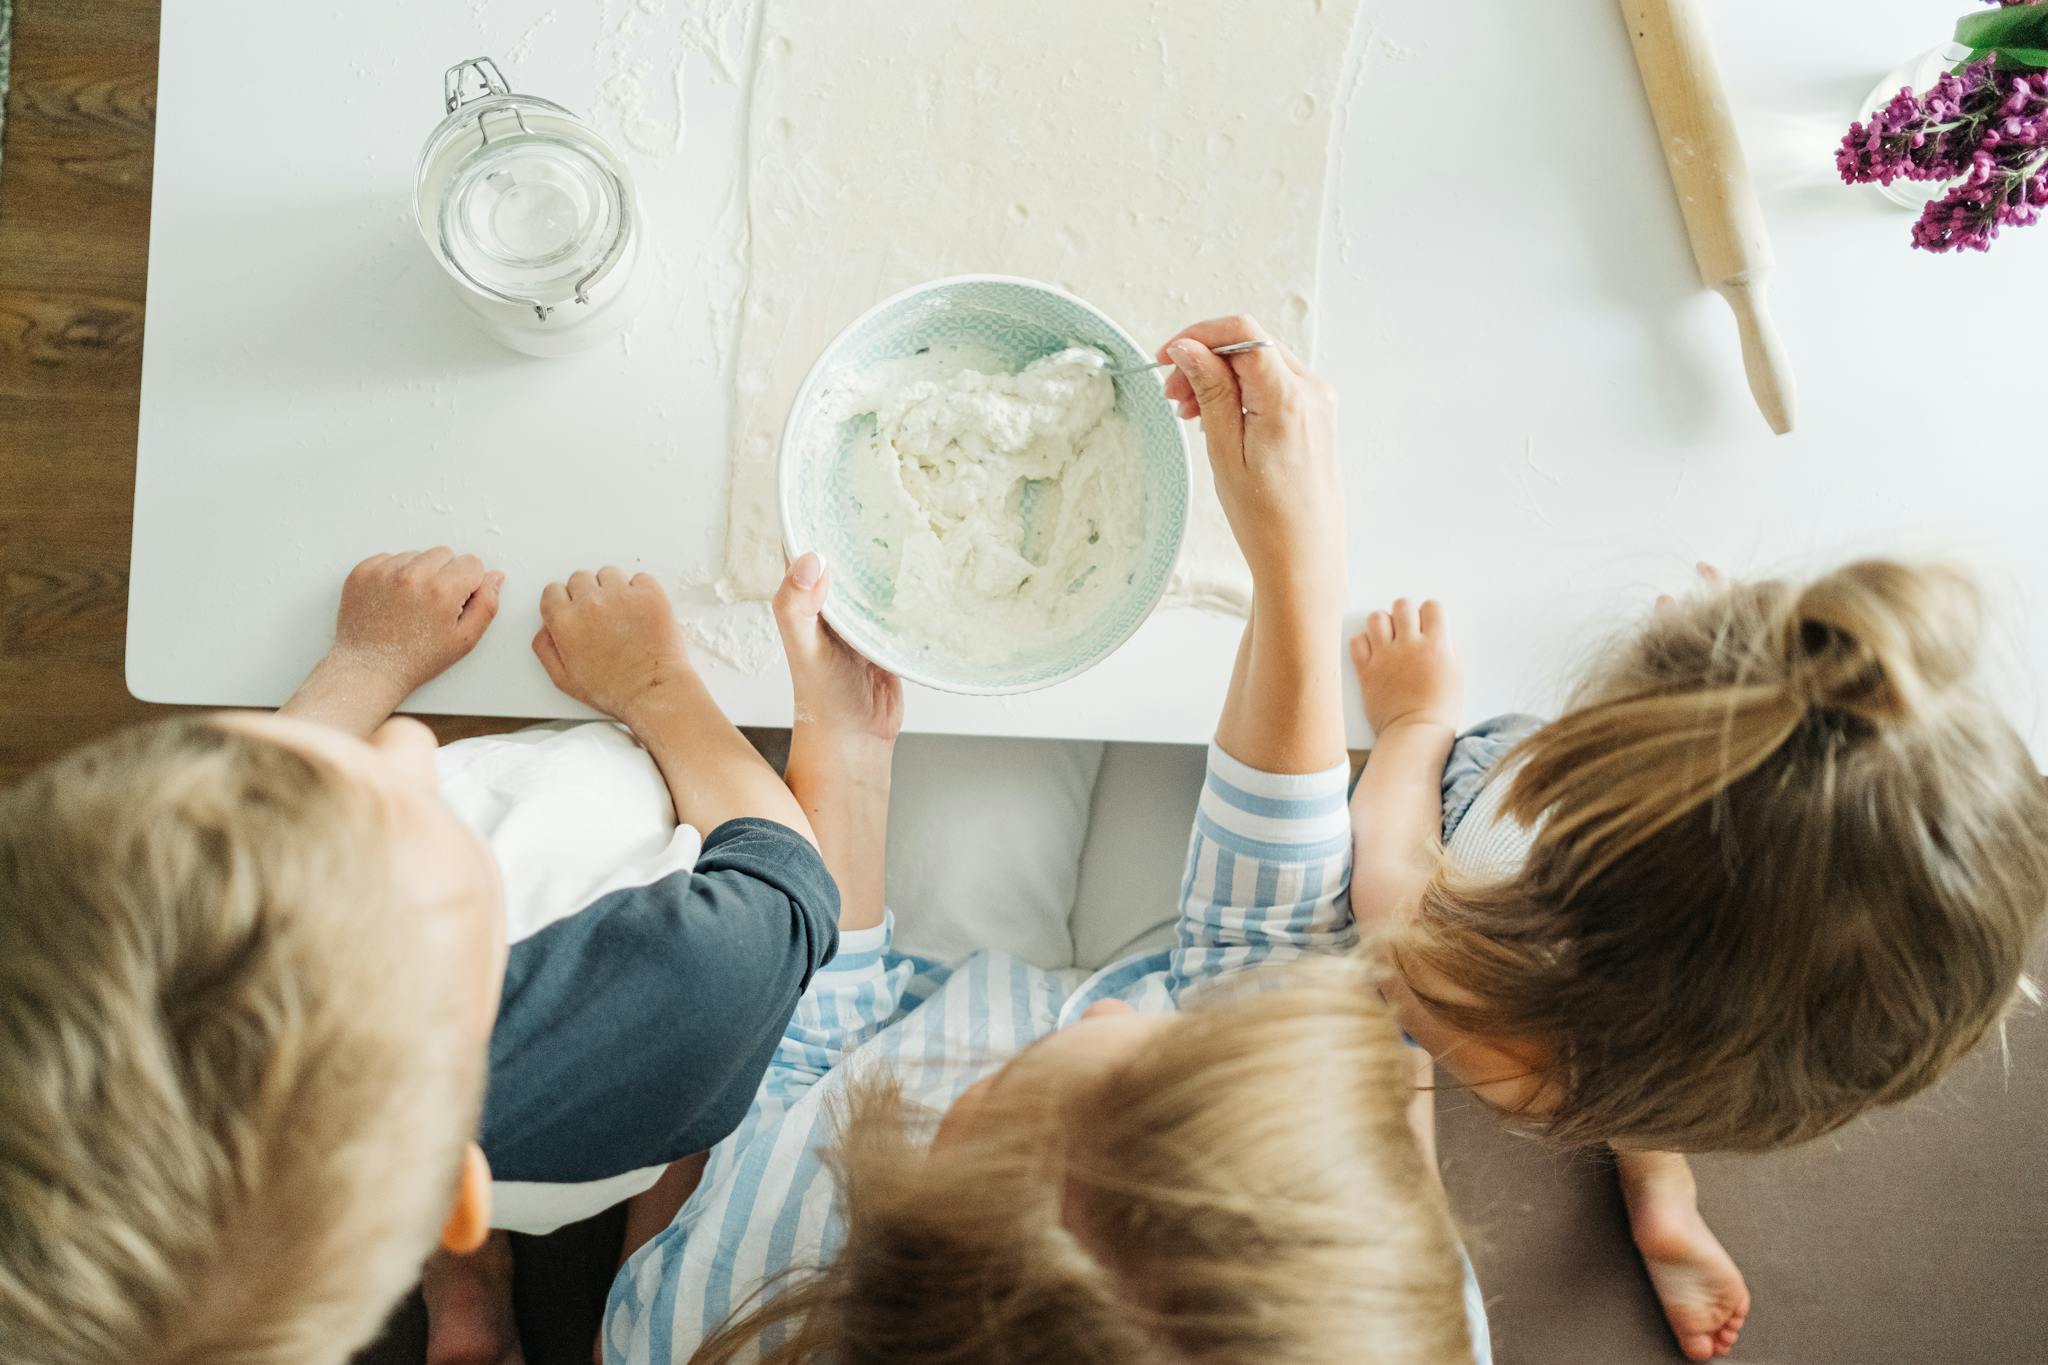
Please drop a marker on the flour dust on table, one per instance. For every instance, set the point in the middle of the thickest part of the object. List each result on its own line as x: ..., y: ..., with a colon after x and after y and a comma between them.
x: 1002, y: 508
x: 1164, y: 162
x: 742, y: 637
x: 641, y: 53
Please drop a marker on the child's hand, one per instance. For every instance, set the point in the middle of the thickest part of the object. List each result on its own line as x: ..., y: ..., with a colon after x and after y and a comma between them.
x: 839, y: 694
x: 611, y: 642
x: 407, y: 618
x: 1408, y: 669
x: 1272, y: 434
x: 404, y: 619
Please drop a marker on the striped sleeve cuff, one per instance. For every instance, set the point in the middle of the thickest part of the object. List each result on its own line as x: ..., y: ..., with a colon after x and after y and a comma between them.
x: 1274, y: 816
x: 861, y: 949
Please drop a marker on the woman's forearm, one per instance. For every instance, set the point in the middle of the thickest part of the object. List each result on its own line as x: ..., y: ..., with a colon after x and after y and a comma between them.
x: 1284, y: 712
x: 843, y: 786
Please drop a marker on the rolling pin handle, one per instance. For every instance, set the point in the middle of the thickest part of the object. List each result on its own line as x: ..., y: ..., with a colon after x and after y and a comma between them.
x: 1763, y: 351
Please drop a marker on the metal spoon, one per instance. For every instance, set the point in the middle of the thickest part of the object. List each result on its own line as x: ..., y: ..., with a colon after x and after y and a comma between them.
x: 1237, y: 348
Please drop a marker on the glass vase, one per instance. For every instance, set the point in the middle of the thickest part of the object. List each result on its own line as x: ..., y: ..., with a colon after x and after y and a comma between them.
x: 1918, y: 75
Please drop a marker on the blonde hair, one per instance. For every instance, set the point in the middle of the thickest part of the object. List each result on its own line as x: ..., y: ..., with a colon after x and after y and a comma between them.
x: 1246, y: 1189
x: 1789, y: 863
x: 237, y: 1096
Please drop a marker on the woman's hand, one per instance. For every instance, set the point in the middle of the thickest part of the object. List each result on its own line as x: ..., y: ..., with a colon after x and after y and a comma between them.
x: 405, y: 619
x: 1272, y: 434
x: 612, y: 642
x: 1271, y: 428
x: 842, y: 743
x: 841, y: 698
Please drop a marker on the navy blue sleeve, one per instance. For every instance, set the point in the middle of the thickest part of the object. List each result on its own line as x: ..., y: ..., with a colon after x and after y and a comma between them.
x: 637, y: 1030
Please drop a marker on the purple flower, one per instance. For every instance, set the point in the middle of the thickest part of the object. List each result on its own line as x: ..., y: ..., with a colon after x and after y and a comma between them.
x: 1984, y: 129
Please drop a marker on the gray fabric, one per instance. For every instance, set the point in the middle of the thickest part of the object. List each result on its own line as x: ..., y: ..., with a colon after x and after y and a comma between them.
x: 1473, y: 757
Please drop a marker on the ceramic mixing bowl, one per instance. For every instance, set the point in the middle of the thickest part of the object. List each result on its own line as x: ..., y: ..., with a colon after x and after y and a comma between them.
x: 1016, y: 322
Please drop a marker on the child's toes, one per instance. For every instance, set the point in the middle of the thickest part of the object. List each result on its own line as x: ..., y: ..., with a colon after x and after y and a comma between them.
x: 1361, y: 651
x: 1432, y: 617
x: 1379, y: 629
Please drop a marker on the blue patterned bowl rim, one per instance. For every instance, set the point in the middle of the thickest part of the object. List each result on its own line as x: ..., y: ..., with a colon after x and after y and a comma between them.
x: 789, y: 461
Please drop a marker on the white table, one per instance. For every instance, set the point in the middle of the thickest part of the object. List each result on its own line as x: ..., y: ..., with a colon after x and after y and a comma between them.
x: 1545, y: 416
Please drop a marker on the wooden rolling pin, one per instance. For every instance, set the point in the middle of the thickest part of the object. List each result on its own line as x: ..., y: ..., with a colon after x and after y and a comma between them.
x: 1722, y: 214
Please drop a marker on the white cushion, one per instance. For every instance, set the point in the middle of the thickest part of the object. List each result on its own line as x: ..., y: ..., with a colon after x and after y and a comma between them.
x: 1129, y: 892
x: 985, y: 841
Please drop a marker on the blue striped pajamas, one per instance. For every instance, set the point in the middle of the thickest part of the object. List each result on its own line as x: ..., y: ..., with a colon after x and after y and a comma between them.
x: 1267, y: 879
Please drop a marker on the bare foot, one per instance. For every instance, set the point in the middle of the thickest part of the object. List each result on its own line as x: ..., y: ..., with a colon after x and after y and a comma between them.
x: 469, y: 1307
x: 1697, y: 1282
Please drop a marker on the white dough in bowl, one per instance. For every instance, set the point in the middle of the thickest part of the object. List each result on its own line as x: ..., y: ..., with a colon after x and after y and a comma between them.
x: 1007, y: 508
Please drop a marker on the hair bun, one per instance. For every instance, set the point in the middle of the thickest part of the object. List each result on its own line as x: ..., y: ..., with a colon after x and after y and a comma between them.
x: 1881, y: 641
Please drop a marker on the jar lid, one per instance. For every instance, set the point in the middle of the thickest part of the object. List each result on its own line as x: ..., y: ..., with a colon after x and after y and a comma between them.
x: 522, y: 200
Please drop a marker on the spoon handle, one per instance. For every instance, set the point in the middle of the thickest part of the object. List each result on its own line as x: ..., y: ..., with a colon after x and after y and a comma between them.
x: 1235, y: 348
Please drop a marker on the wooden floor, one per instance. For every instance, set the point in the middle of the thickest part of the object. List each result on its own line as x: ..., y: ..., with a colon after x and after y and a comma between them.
x: 74, y: 246
x: 74, y: 251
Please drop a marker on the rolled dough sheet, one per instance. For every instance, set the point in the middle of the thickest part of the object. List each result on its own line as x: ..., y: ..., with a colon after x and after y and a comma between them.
x: 1165, y: 162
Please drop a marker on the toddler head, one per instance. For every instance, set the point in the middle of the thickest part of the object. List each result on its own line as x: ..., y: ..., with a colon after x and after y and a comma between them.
x: 247, y: 969
x: 1789, y: 865
x: 1237, y: 1183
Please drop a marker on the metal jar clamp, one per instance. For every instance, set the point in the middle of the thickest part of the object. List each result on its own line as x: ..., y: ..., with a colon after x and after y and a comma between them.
x: 474, y: 91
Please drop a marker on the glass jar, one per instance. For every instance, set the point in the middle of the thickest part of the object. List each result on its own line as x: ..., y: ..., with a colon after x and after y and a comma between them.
x: 531, y: 214
x: 1919, y: 76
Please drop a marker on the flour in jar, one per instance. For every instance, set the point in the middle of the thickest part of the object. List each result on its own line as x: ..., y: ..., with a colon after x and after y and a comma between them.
x: 1009, y: 508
